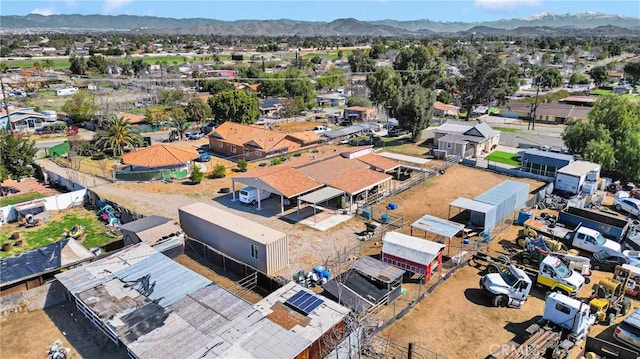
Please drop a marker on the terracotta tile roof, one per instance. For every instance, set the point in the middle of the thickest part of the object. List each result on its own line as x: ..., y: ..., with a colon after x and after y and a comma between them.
x: 238, y: 134
x: 159, y: 155
x: 355, y: 180
x: 329, y: 169
x: 133, y: 118
x: 306, y: 137
x: 379, y: 162
x: 444, y: 107
x: 290, y: 182
x: 254, y: 87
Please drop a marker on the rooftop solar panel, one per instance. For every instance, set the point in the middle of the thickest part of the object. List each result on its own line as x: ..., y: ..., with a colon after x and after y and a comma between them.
x: 304, y: 302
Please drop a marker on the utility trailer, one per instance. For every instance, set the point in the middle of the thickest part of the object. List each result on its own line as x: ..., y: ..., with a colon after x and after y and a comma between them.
x: 611, y: 225
x: 606, y: 349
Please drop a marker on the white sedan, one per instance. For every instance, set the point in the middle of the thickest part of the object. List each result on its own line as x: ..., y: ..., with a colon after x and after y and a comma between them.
x: 629, y: 205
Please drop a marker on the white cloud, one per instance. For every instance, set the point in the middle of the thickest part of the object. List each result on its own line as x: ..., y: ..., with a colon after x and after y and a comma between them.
x: 505, y: 5
x: 46, y: 11
x: 110, y: 6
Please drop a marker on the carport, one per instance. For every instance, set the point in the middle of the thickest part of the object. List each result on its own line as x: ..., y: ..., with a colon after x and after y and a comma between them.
x: 319, y: 196
x: 482, y: 214
x: 439, y: 227
x: 282, y: 181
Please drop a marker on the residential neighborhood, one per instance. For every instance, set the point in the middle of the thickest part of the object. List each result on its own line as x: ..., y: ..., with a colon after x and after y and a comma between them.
x: 300, y: 189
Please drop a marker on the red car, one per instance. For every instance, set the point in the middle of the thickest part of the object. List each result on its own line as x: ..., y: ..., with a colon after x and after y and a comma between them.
x: 635, y: 193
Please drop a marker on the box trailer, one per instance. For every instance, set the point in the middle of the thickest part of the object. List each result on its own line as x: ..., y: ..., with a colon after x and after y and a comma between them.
x: 570, y: 178
x: 248, y: 242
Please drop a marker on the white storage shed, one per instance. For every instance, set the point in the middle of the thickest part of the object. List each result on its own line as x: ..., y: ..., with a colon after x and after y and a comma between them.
x: 571, y: 177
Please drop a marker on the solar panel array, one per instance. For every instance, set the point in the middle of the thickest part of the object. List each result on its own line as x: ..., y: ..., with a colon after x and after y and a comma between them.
x: 304, y: 302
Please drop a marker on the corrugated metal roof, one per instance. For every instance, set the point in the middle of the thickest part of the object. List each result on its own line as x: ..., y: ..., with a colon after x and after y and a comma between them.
x: 90, y: 275
x: 414, y: 249
x: 548, y: 154
x: 404, y: 158
x: 472, y: 205
x: 579, y: 168
x: 144, y: 223
x: 379, y: 270
x: 232, y: 222
x: 321, y: 195
x: 438, y: 226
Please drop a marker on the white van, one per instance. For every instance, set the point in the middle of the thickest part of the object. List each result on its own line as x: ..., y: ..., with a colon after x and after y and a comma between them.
x: 250, y: 195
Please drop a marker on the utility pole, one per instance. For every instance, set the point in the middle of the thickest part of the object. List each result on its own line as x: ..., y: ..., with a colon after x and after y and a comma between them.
x: 534, y: 105
x: 6, y: 103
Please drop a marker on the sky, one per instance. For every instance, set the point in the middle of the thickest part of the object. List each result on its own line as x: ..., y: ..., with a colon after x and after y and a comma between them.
x: 327, y: 10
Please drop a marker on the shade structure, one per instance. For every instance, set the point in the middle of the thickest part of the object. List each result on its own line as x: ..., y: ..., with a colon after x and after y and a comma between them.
x: 160, y: 155
x: 481, y: 214
x: 508, y: 197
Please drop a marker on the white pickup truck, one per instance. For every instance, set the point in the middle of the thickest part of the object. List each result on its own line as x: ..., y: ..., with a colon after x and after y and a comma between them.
x: 591, y: 241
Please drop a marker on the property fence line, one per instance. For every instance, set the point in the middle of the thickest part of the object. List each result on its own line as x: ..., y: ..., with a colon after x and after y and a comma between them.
x: 57, y: 202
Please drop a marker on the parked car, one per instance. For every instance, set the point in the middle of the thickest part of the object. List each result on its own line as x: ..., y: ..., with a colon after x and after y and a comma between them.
x: 635, y: 193
x: 194, y: 135
x: 204, y: 157
x: 628, y: 332
x: 628, y: 204
x: 608, y: 261
x: 53, y: 128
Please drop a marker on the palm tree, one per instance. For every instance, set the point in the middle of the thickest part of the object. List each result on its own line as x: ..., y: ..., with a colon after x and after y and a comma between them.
x: 117, y: 136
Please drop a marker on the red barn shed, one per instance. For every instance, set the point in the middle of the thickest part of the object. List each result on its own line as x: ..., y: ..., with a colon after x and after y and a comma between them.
x: 420, y: 256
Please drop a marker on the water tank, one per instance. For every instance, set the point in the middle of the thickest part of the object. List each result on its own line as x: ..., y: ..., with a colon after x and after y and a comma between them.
x: 367, y: 214
x: 319, y: 270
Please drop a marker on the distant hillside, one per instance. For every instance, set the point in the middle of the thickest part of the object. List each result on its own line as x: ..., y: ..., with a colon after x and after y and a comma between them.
x: 545, y: 23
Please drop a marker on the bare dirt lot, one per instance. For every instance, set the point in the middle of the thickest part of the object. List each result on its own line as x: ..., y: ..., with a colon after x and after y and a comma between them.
x: 29, y: 335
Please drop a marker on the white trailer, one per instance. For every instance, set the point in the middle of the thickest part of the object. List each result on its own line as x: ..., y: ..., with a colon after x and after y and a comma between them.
x: 67, y: 91
x: 571, y: 178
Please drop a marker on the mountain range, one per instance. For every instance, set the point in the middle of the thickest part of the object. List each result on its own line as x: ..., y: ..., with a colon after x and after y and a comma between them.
x: 542, y: 24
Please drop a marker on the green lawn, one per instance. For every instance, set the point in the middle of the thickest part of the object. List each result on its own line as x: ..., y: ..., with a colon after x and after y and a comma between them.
x: 507, y: 129
x: 47, y: 233
x: 600, y: 92
x: 19, y: 198
x: 503, y: 157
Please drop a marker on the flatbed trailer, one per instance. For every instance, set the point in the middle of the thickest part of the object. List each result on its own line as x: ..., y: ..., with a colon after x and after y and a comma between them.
x: 557, y: 232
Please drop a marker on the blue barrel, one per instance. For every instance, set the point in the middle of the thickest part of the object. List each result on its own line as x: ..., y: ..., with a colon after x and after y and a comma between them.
x: 367, y: 214
x: 326, y: 274
x: 392, y: 206
x: 466, y: 241
x: 523, y: 216
x: 319, y: 270
x: 385, y: 218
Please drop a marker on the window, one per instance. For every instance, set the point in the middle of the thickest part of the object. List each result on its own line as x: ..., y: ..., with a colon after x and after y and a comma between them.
x: 246, y: 151
x: 233, y: 149
x: 254, y: 251
x: 449, y: 145
x: 563, y: 308
x: 220, y: 144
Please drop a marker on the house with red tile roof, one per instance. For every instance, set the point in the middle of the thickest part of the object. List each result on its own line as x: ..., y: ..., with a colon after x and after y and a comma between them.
x: 251, y: 143
x: 443, y: 110
x: 160, y: 156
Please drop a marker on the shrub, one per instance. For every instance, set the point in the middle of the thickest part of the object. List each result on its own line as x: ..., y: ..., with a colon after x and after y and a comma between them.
x: 276, y: 161
x: 219, y: 171
x: 242, y: 165
x: 196, y: 175
x: 97, y: 156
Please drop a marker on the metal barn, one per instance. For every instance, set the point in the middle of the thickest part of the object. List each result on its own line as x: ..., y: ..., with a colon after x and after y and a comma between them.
x: 507, y: 197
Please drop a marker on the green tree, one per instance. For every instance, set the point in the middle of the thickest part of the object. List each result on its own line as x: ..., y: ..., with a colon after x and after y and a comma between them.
x: 215, y: 86
x: 16, y: 156
x: 117, y: 136
x: 577, y: 79
x: 316, y: 60
x: 331, y: 80
x: 419, y: 65
x: 358, y: 101
x: 272, y: 85
x: 235, y: 106
x: 155, y: 115
x: 77, y: 65
x: 48, y: 64
x: 170, y: 97
x: 242, y: 165
x: 548, y: 78
x: 384, y: 84
x: 98, y: 64
x: 486, y: 80
x: 633, y: 70
x: 611, y: 137
x: 298, y: 86
x: 81, y: 107
x: 179, y: 121
x: 600, y: 75
x: 360, y: 61
x: 219, y: 171
x: 197, y: 110
x: 414, y: 108
x: 196, y: 175
x: 294, y: 106
x: 445, y: 97
x: 139, y: 67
